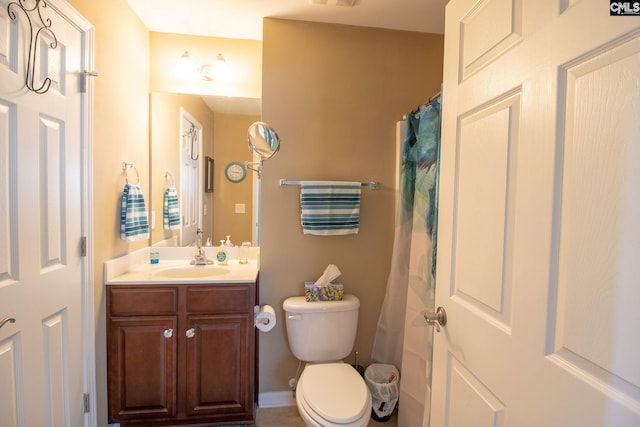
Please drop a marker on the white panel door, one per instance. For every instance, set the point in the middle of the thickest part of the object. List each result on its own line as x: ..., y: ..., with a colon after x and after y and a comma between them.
x: 539, y: 217
x: 41, y: 216
x: 190, y: 177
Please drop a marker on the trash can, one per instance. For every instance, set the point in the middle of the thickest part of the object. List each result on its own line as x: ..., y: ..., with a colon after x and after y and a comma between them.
x: 382, y: 380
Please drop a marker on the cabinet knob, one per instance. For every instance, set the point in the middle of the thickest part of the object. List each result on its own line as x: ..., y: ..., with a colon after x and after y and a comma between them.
x: 168, y: 333
x: 190, y: 333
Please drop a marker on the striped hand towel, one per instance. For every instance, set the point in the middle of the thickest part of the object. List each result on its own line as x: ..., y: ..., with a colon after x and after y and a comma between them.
x: 134, y: 224
x: 171, y: 209
x: 330, y: 208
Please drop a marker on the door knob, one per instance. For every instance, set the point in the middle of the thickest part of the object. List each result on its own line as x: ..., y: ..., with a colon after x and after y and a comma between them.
x: 437, y: 319
x: 168, y: 333
x: 191, y: 332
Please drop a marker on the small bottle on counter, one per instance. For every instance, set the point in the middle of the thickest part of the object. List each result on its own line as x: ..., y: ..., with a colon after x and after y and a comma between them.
x: 221, y: 255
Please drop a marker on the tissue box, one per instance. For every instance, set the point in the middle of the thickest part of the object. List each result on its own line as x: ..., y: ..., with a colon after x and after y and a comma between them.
x: 333, y: 292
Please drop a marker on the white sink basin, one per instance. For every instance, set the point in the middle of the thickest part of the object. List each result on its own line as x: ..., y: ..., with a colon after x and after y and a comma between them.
x: 190, y: 272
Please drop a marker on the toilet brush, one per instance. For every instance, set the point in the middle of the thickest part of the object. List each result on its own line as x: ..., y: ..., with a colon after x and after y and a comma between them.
x: 357, y: 367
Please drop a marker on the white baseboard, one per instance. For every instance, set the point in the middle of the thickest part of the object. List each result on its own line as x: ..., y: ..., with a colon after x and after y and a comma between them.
x: 276, y: 399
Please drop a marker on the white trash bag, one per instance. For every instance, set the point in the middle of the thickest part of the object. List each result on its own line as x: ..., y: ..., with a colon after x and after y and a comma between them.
x: 383, y: 381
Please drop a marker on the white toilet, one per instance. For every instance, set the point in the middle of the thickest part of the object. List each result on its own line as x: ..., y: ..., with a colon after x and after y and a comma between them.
x: 329, y: 392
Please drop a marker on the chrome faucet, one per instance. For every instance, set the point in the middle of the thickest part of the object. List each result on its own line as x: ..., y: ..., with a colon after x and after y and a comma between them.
x: 199, y: 256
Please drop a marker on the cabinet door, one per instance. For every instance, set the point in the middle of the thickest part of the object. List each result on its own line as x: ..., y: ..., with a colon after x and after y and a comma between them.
x: 142, y: 367
x: 220, y: 366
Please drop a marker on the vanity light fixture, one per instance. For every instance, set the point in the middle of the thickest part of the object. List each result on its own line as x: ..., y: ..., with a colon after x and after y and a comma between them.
x: 186, y: 68
x: 348, y: 3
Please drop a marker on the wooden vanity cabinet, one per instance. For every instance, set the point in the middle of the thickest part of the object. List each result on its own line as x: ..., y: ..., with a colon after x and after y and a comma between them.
x: 181, y: 354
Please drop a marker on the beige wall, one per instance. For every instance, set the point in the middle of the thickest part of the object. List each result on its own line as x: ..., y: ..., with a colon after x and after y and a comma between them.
x: 165, y: 152
x: 120, y: 133
x: 230, y: 135
x: 334, y: 94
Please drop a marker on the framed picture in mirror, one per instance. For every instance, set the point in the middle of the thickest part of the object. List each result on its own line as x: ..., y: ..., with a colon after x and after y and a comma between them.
x: 208, y: 175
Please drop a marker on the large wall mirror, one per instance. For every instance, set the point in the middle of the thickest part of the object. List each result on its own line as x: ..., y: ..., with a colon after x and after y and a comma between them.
x: 192, y: 136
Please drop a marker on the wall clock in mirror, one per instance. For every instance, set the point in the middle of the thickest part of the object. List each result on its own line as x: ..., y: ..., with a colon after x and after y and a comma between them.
x: 235, y: 172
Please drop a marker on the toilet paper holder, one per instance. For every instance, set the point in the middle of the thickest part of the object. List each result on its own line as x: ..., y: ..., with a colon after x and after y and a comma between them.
x: 264, y: 318
x: 263, y: 321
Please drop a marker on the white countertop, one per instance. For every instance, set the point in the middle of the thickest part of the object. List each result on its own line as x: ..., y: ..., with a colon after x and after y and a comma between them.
x: 135, y: 269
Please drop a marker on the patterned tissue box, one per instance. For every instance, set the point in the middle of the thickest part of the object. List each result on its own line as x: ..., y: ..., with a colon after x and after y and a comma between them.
x: 333, y: 292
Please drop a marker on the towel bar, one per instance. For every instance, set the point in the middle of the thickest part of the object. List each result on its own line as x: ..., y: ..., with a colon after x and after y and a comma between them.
x: 373, y: 184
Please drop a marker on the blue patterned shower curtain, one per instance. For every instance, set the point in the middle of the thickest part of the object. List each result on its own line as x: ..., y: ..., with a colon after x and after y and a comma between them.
x: 402, y: 337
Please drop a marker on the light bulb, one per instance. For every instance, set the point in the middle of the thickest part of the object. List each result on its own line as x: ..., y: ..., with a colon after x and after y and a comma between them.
x: 185, y: 67
x: 219, y: 69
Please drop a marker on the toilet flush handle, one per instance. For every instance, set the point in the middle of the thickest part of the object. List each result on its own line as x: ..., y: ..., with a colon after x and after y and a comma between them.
x: 294, y: 317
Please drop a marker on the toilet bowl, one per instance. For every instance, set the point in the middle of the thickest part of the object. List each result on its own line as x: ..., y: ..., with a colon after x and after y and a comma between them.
x: 333, y: 395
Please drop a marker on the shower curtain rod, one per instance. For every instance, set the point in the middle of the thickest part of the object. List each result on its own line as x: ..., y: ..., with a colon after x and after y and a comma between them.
x: 431, y: 98
x: 415, y: 110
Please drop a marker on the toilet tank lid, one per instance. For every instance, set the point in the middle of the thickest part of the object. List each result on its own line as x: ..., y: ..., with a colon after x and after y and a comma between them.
x: 301, y: 305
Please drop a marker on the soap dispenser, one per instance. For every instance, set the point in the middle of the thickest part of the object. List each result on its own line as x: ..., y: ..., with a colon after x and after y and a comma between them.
x: 221, y: 255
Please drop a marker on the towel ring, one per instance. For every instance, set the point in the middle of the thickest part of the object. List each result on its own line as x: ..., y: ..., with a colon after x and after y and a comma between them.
x: 126, y: 166
x: 168, y: 175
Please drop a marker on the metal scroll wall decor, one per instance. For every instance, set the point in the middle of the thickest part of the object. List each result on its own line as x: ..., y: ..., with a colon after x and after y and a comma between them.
x: 37, y: 30
x: 192, y: 137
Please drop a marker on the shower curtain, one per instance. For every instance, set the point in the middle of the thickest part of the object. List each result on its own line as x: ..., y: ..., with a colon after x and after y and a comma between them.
x: 403, y: 337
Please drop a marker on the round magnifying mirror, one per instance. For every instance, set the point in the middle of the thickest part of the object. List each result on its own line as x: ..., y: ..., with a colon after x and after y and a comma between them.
x: 263, y: 140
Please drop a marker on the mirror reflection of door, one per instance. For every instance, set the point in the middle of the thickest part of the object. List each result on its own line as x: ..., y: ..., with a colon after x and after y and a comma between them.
x: 190, y: 177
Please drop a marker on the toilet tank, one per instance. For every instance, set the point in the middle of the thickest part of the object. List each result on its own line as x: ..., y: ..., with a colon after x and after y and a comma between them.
x: 321, y: 331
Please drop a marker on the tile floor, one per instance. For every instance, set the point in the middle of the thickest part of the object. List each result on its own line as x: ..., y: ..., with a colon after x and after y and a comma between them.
x: 287, y: 416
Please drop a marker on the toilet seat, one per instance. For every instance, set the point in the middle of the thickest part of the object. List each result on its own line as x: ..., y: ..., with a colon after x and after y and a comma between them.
x: 333, y: 394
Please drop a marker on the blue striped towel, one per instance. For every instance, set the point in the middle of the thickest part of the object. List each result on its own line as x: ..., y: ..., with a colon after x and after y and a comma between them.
x: 171, y: 209
x: 134, y: 223
x: 330, y: 208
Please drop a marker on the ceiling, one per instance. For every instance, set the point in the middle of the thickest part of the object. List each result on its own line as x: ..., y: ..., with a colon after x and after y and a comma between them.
x: 242, y: 19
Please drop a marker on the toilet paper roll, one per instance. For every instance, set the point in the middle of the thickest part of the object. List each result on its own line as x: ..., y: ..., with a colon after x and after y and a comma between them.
x: 265, y: 318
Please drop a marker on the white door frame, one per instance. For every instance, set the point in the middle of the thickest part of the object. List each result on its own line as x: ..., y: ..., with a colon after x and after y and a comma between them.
x: 86, y: 144
x: 255, y: 213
